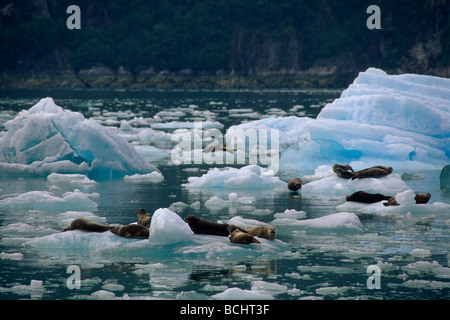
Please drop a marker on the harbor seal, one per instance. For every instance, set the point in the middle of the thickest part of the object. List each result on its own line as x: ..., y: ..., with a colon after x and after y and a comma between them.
x: 131, y: 231
x: 203, y: 226
x: 144, y: 218
x: 422, y: 198
x: 86, y: 225
x: 263, y: 232
x: 240, y: 237
x: 372, y: 172
x: 344, y: 171
x: 365, y: 197
x: 295, y: 184
x: 217, y: 147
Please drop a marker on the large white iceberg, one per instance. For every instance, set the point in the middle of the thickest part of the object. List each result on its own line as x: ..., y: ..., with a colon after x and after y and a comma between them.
x: 397, y: 120
x: 167, y: 227
x: 48, y: 139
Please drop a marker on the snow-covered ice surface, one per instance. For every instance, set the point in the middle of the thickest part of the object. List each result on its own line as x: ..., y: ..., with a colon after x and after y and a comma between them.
x: 98, y: 161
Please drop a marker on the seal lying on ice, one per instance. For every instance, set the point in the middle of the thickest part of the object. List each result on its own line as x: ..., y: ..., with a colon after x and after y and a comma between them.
x: 86, y: 225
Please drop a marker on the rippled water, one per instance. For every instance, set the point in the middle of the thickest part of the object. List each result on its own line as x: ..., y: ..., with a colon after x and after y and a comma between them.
x: 411, y: 252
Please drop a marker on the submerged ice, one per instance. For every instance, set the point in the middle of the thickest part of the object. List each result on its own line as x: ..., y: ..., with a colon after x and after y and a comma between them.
x: 47, y: 139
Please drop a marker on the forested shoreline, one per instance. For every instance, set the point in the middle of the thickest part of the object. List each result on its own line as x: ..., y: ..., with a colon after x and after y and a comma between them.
x: 222, y: 43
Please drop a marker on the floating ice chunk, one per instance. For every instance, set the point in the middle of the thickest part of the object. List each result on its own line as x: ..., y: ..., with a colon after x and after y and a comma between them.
x: 180, y: 206
x: 233, y: 197
x: 103, y: 295
x: 77, y: 179
x: 48, y: 139
x: 11, y: 256
x: 167, y: 227
x: 242, y: 294
x: 420, y: 253
x: 25, y: 230
x: 78, y: 241
x: 187, y: 125
x: 336, y: 222
x: 290, y: 214
x: 46, y: 201
x: 274, y: 288
x: 426, y: 267
x: 406, y: 198
x: 153, y: 177
x: 248, y: 177
x: 215, y: 203
x: 35, y: 289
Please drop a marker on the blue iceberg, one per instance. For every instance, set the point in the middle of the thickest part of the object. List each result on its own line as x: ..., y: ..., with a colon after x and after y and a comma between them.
x: 397, y: 120
x: 47, y: 139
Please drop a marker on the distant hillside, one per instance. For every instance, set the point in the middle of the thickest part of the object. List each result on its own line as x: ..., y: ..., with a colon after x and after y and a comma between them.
x: 142, y: 39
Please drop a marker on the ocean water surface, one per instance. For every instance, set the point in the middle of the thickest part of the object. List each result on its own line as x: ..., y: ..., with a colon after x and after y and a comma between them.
x: 410, y: 250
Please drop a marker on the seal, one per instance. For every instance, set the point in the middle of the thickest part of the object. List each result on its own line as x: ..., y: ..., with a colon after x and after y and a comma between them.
x: 86, y: 225
x: 217, y: 147
x: 372, y: 172
x: 295, y: 184
x: 240, y: 237
x: 263, y: 232
x: 422, y: 198
x: 131, y: 231
x: 365, y: 197
x: 203, y: 226
x: 344, y: 171
x: 144, y: 218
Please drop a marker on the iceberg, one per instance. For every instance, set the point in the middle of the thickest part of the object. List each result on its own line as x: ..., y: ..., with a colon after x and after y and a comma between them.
x: 167, y: 227
x: 398, y: 120
x: 47, y: 139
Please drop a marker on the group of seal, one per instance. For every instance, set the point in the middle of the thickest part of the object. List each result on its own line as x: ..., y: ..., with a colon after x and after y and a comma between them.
x: 235, y: 233
x: 137, y: 231
x: 140, y: 230
x: 345, y: 171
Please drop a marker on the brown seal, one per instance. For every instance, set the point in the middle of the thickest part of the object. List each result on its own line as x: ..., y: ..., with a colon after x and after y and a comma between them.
x: 344, y: 171
x: 373, y: 172
x: 240, y: 237
x: 263, y: 232
x: 131, y: 231
x: 203, y: 226
x: 422, y: 198
x: 86, y: 225
x: 295, y: 184
x: 365, y: 197
x: 144, y: 218
x: 217, y: 147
